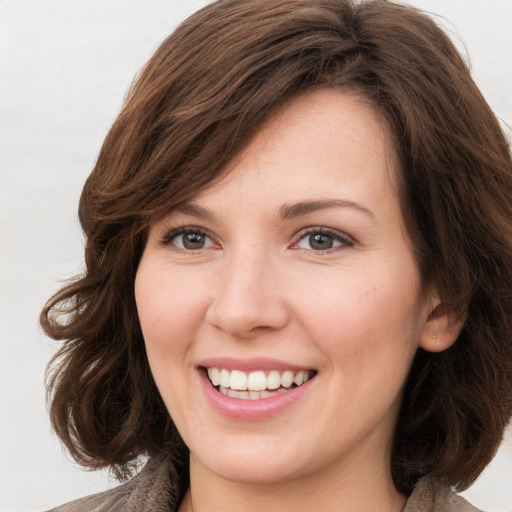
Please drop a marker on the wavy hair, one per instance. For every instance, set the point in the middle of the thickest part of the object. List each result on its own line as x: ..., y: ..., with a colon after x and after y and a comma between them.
x: 197, y: 102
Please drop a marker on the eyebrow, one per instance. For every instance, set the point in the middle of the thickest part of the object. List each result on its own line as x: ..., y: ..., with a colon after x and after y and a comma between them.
x: 196, y: 211
x: 287, y: 211
x: 304, y: 207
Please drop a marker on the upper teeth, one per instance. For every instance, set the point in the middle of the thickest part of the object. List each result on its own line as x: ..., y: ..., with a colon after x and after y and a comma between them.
x: 256, y: 381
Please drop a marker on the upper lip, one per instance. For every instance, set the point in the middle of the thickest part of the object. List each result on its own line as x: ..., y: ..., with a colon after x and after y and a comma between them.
x: 251, y: 364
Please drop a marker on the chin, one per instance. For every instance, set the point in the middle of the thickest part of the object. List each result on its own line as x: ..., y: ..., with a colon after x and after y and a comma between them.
x: 251, y: 464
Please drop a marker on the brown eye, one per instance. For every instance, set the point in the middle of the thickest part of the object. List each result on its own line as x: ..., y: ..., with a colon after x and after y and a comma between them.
x: 193, y: 240
x: 190, y: 240
x: 323, y: 239
x: 320, y: 242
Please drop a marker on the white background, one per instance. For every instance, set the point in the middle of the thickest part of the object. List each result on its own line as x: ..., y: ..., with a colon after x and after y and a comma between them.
x: 65, y: 67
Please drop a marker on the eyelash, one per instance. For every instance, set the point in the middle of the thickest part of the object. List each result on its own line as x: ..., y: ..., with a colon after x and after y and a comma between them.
x: 345, y: 242
x: 186, y: 230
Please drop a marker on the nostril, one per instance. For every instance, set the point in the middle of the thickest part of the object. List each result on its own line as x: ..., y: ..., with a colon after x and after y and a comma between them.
x: 246, y: 302
x: 245, y: 320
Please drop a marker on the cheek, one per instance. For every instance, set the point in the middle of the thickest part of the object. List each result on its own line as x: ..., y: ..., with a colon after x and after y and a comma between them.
x: 168, y: 316
x: 366, y: 317
x: 169, y: 320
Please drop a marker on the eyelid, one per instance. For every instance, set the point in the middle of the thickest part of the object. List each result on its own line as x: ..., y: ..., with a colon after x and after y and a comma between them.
x: 174, y: 232
x: 340, y: 236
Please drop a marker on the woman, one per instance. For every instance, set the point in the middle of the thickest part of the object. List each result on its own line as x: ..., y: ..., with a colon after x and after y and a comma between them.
x: 298, y: 270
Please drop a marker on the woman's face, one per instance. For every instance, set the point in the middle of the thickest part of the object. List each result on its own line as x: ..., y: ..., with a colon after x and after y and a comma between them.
x: 295, y: 267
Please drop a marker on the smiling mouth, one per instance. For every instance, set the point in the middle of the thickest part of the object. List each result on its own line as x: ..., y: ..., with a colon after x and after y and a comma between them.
x: 257, y: 384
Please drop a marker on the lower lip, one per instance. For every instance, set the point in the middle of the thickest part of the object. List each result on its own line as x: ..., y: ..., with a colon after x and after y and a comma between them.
x: 262, y: 408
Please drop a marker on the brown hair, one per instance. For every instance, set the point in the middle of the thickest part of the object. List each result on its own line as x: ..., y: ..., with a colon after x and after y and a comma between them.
x: 198, y: 101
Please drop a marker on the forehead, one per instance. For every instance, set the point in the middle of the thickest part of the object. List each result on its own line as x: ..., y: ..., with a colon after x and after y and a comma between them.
x: 320, y: 139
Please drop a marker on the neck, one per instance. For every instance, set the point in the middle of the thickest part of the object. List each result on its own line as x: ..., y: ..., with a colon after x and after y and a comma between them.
x: 367, y: 488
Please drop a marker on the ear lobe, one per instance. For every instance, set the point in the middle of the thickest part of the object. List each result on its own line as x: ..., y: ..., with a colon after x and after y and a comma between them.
x: 441, y: 329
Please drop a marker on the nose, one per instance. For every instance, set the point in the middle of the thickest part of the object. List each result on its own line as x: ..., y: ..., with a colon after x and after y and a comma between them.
x: 248, y: 299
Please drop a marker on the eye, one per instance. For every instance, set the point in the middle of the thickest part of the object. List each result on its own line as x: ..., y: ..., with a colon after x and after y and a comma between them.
x: 188, y: 239
x: 322, y: 239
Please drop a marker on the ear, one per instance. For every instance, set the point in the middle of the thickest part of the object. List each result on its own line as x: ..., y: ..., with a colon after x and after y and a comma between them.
x: 441, y: 328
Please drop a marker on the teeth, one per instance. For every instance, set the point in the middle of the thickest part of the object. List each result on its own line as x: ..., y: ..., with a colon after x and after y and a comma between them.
x: 273, y: 380
x: 238, y: 380
x: 300, y: 378
x: 233, y: 393
x: 287, y: 379
x: 224, y: 378
x: 257, y: 384
x: 256, y: 381
x: 251, y: 395
x: 214, y: 375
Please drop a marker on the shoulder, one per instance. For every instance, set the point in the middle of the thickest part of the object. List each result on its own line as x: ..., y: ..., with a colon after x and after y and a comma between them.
x: 430, y: 495
x: 113, y: 499
x: 152, y: 489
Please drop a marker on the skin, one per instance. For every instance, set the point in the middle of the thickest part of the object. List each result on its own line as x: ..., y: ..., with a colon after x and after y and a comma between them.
x: 260, y: 287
